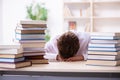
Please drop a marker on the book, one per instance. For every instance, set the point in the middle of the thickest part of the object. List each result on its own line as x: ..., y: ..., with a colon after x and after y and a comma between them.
x: 33, y: 44
x: 40, y: 50
x: 11, y: 51
x: 33, y: 53
x: 30, y: 36
x: 35, y: 57
x: 67, y: 12
x: 19, y: 31
x: 12, y: 59
x: 72, y: 25
x: 34, y: 25
x: 39, y: 61
x: 103, y: 53
x: 105, y: 37
x: 10, y: 45
x: 105, y: 41
x: 32, y: 22
x: 20, y: 28
x: 103, y: 49
x: 29, y: 41
x: 103, y: 57
x: 103, y: 62
x: 11, y: 55
x: 105, y: 33
x: 104, y: 45
x: 15, y: 65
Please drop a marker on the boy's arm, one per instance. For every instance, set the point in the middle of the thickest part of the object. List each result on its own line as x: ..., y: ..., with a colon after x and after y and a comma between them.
x: 50, y: 50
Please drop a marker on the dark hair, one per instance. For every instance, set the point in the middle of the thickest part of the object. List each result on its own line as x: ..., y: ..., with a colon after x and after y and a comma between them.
x: 68, y: 45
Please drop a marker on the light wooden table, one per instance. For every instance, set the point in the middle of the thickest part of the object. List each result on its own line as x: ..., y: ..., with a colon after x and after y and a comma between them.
x: 79, y: 69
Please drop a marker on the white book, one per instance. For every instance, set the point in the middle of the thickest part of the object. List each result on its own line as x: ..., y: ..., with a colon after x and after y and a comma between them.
x: 104, y: 57
x: 30, y: 36
x: 20, y: 28
x: 33, y: 53
x: 105, y: 41
x: 104, y: 45
x: 33, y: 49
x: 105, y: 33
x: 15, y: 65
x: 11, y: 51
x: 29, y: 41
x: 33, y: 45
x: 105, y: 37
x: 9, y: 45
x: 32, y: 22
x: 103, y: 53
x: 103, y: 62
x: 103, y: 49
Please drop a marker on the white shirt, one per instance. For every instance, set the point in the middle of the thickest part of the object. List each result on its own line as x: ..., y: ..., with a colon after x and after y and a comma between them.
x: 52, y: 50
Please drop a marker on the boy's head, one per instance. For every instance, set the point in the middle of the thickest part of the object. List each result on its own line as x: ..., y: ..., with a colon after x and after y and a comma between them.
x: 68, y: 45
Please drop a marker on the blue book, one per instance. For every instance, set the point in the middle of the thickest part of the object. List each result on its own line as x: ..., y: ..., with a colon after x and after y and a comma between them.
x: 105, y: 37
x: 103, y: 49
x: 30, y: 36
x: 12, y: 59
x: 104, y: 45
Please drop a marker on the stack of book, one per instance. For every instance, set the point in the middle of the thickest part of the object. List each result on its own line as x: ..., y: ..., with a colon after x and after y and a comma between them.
x: 11, y: 56
x: 104, y: 49
x: 31, y: 35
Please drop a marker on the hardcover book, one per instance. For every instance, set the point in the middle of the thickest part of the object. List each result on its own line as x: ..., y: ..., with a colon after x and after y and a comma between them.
x: 15, y: 65
x: 105, y: 41
x: 33, y: 44
x: 9, y: 45
x: 32, y: 22
x: 105, y: 37
x: 104, y: 57
x: 105, y: 33
x: 39, y: 61
x: 30, y: 36
x: 11, y: 51
x: 34, y: 25
x: 103, y: 62
x: 102, y: 53
x: 11, y: 55
x: 91, y: 45
x: 19, y: 31
x: 103, y: 49
x: 72, y: 25
x: 12, y: 59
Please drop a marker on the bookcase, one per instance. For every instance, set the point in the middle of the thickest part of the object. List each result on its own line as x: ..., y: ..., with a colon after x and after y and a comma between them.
x: 92, y: 15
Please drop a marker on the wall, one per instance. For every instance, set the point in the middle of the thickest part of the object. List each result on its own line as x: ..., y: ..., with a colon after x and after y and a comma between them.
x: 55, y: 16
x: 1, y: 33
x: 15, y: 10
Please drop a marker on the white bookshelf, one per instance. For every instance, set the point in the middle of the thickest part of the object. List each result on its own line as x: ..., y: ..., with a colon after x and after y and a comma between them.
x: 95, y: 15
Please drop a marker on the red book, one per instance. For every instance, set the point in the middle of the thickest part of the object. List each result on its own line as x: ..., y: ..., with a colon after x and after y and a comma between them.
x: 72, y: 25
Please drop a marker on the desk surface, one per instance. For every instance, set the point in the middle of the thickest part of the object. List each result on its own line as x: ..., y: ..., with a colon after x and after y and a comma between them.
x: 79, y: 66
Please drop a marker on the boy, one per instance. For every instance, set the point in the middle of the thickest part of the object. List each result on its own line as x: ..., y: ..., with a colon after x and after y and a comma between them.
x: 70, y: 46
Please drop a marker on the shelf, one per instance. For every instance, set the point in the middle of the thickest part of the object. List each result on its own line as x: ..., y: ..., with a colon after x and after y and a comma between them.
x: 77, y: 4
x: 110, y: 18
x: 99, y: 14
x: 77, y: 18
x: 106, y: 2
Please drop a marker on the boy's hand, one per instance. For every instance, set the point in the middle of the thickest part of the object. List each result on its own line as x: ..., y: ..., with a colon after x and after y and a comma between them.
x: 76, y: 58
x: 58, y: 58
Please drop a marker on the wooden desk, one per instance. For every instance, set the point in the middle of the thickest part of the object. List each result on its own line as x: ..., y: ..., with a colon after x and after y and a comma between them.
x: 68, y: 69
